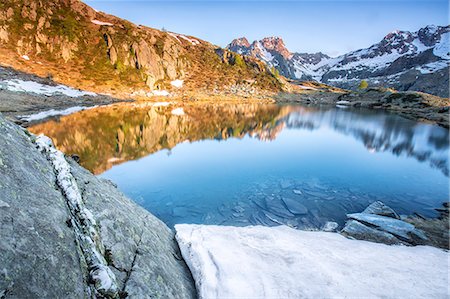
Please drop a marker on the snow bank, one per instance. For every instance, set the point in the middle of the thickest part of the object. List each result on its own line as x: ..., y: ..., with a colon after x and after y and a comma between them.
x: 177, y: 83
x: 281, y: 262
x: 53, y: 112
x: 48, y: 90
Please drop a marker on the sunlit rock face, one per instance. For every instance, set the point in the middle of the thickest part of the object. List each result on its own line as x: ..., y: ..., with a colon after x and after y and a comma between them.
x: 109, y: 135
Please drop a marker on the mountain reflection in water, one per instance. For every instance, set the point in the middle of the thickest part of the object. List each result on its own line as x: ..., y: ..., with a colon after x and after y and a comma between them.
x: 110, y: 135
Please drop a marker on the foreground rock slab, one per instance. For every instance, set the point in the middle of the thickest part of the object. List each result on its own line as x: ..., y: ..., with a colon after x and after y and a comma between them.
x: 40, y: 252
x: 281, y: 262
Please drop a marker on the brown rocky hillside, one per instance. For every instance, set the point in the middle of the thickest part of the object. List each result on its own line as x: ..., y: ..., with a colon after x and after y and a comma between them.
x: 81, y: 47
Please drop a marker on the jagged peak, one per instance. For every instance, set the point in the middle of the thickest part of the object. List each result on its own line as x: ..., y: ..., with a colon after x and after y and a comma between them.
x: 240, y: 42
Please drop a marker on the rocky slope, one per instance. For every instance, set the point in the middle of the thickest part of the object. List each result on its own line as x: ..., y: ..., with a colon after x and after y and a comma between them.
x: 45, y: 234
x: 78, y: 46
x: 402, y: 60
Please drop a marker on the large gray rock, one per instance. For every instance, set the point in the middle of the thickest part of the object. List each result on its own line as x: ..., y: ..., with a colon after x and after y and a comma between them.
x: 401, y: 229
x: 360, y: 231
x: 40, y: 256
x: 379, y: 208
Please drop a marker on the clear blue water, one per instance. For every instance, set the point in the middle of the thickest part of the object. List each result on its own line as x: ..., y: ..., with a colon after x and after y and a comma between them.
x: 323, y: 162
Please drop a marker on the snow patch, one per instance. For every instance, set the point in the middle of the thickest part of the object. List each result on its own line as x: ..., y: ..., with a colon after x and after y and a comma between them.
x: 97, y: 22
x: 53, y: 112
x: 432, y: 67
x: 177, y: 83
x: 177, y: 36
x: 281, y: 262
x: 18, y: 85
x: 442, y: 49
x: 25, y: 57
x: 178, y: 111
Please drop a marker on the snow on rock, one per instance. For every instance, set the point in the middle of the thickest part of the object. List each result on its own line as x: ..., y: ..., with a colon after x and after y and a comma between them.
x: 38, y: 88
x: 53, y: 112
x: 97, y: 22
x: 442, y: 49
x: 177, y: 36
x: 342, y: 102
x: 25, y: 57
x: 178, y: 111
x: 85, y: 226
x: 281, y: 262
x: 177, y: 83
x: 432, y: 67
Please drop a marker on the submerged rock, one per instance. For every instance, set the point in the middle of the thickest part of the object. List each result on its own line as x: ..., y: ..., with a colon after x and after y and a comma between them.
x: 295, y: 206
x: 379, y: 208
x: 330, y: 226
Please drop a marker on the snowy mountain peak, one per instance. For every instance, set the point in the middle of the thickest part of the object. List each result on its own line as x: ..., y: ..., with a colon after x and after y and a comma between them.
x: 240, y: 42
x: 276, y: 44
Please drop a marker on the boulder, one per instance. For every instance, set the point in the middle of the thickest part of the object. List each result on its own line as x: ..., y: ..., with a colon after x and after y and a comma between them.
x: 401, y: 229
x: 41, y: 255
x: 294, y: 206
x: 379, y: 208
x: 359, y: 231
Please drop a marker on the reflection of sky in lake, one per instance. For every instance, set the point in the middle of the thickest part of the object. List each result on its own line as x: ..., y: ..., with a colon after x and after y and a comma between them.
x: 330, y: 162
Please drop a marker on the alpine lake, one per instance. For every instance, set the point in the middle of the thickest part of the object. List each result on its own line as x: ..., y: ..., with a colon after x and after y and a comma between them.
x: 257, y: 163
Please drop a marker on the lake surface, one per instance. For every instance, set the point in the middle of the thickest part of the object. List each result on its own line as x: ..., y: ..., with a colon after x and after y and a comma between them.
x: 243, y: 164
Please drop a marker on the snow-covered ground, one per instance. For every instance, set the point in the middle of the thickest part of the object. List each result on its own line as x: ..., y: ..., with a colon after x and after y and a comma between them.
x: 38, y: 88
x: 53, y: 112
x: 281, y: 262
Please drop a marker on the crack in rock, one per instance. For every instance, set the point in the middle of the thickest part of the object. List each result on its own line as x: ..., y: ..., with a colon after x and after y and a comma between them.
x: 84, y: 224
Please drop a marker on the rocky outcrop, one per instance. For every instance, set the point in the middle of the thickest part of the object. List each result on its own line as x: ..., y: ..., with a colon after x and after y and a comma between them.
x: 380, y: 223
x: 91, y: 50
x: 42, y: 252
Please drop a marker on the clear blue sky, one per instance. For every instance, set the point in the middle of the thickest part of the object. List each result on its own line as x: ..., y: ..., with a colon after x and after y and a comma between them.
x: 333, y: 27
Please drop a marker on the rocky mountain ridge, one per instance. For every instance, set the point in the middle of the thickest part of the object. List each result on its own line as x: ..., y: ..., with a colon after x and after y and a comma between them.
x: 78, y: 46
x: 402, y: 60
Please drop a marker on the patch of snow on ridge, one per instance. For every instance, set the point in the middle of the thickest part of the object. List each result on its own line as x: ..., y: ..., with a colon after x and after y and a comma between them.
x: 25, y: 57
x: 97, y: 22
x: 177, y: 83
x: 38, y: 88
x: 442, y: 49
x: 432, y: 67
x: 281, y: 262
x: 265, y: 55
x: 177, y: 36
x: 53, y: 112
